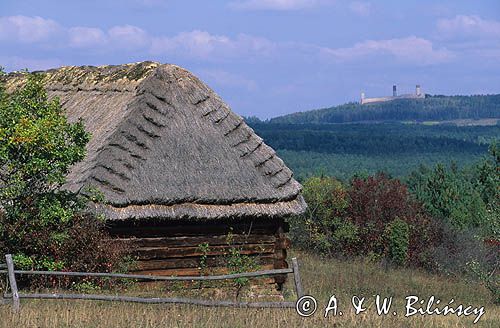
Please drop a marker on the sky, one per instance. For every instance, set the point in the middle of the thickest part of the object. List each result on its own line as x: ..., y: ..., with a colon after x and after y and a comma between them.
x: 267, y: 58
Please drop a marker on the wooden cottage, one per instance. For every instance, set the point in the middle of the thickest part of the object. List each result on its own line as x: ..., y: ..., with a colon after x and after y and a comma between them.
x: 177, y: 167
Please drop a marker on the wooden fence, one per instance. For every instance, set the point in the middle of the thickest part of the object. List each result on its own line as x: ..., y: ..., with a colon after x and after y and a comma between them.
x: 15, y: 295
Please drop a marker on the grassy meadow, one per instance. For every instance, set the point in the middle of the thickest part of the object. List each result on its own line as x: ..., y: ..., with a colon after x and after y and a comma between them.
x: 321, y: 278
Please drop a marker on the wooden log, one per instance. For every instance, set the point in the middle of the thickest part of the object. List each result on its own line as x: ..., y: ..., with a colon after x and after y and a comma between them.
x: 209, y: 303
x: 12, y: 283
x: 175, y: 252
x: 196, y: 240
x: 3, y: 266
x: 194, y: 262
x: 180, y: 272
x: 156, y: 278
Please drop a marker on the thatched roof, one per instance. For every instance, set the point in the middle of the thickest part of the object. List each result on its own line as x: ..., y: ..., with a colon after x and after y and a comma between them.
x: 165, y: 145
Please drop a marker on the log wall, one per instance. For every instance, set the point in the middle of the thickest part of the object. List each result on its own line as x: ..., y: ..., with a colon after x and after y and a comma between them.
x: 173, y: 248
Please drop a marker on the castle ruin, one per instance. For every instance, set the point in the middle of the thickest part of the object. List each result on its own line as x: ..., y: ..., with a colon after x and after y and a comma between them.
x: 417, y: 95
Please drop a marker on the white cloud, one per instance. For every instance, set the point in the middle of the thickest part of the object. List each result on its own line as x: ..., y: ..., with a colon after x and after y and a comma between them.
x: 411, y: 49
x: 205, y: 46
x: 201, y: 44
x: 26, y: 29
x: 195, y: 43
x: 463, y: 26
x: 128, y: 36
x: 86, y: 37
x: 360, y: 8
x: 277, y: 4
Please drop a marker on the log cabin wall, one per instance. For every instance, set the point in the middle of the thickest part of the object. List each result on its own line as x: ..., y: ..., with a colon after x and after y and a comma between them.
x: 173, y: 248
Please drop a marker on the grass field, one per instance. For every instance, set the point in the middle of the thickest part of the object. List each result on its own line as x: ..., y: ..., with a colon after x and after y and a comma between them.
x: 321, y: 279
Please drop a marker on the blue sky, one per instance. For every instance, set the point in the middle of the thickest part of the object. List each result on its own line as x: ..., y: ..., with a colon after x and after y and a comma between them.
x: 270, y: 57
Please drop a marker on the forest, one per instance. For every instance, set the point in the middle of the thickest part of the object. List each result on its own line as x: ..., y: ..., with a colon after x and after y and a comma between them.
x: 432, y: 108
x: 342, y: 150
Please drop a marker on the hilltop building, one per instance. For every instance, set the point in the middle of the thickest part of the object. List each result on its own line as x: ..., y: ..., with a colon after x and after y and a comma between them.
x: 417, y: 95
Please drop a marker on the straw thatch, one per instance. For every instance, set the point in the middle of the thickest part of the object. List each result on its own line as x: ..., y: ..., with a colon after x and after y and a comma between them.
x: 165, y: 145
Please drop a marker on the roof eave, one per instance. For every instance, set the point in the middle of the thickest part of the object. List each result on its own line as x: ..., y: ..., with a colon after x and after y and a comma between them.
x: 193, y: 212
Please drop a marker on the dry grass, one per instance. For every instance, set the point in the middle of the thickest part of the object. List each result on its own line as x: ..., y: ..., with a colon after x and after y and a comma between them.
x: 321, y: 279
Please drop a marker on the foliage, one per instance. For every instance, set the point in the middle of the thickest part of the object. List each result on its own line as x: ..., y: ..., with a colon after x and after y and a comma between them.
x: 449, y: 196
x: 306, y: 164
x: 37, y: 147
x: 433, y: 108
x: 237, y: 262
x: 376, y: 139
x: 204, y: 249
x: 462, y: 198
x: 466, y: 203
x: 398, y: 238
x: 462, y: 254
x: 377, y: 202
x: 341, y: 150
x: 322, y: 228
x: 373, y: 215
x: 42, y: 223
x: 489, y: 276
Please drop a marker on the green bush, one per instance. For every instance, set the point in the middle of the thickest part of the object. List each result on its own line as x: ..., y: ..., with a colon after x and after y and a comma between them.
x: 398, y: 239
x: 323, y: 228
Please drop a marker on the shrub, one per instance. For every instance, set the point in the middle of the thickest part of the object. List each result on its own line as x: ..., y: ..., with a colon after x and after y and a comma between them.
x: 375, y: 215
x: 398, y: 239
x: 323, y: 227
x: 464, y: 254
x: 375, y: 203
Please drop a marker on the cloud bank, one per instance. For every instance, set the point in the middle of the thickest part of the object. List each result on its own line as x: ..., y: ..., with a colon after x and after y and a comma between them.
x: 203, y: 45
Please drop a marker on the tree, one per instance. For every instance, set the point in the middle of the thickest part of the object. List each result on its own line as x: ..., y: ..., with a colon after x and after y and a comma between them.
x: 450, y: 195
x: 40, y: 219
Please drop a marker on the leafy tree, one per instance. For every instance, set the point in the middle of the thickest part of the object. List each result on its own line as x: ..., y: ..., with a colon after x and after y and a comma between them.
x: 41, y: 222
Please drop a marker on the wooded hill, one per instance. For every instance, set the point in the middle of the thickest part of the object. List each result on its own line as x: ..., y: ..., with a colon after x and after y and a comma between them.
x: 432, y: 108
x: 342, y: 150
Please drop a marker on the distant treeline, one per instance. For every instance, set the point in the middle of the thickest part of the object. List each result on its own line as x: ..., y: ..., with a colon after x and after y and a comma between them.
x: 432, y: 108
x: 342, y: 150
x: 376, y: 139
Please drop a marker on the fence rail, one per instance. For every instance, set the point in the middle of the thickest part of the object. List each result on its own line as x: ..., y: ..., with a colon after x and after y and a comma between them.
x: 15, y: 296
x: 154, y: 278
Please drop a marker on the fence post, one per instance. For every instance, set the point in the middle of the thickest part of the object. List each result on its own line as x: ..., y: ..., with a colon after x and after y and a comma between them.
x: 12, y: 282
x: 296, y: 276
